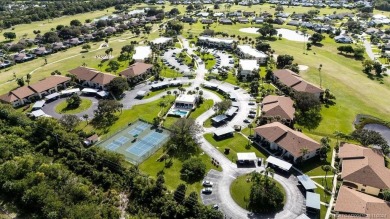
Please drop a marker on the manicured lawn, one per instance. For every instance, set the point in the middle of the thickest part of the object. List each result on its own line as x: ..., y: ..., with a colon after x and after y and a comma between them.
x: 325, y: 197
x: 172, y: 174
x: 46, y: 25
x: 62, y: 107
x: 236, y: 144
x: 169, y: 121
x: 241, y: 188
x: 157, y: 92
x: 145, y: 111
x: 208, y: 59
x: 206, y: 105
x: 323, y: 211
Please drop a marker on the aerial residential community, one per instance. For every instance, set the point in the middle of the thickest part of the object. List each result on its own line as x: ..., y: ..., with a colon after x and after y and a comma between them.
x: 206, y: 109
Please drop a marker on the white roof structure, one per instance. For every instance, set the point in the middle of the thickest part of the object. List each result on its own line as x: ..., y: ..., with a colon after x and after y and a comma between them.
x: 209, y: 84
x: 161, y: 84
x: 175, y: 82
x: 203, y: 14
x: 306, y: 182
x: 38, y: 104
x: 38, y: 113
x: 142, y: 93
x: 186, y: 99
x: 51, y: 96
x: 231, y: 111
x: 248, y: 64
x: 102, y: 93
x: 89, y: 90
x: 135, y: 12
x: 379, y: 16
x: 216, y: 40
x: 246, y: 156
x: 223, y: 131
x: 142, y: 52
x: 313, y: 200
x: 218, y: 14
x: 249, y: 50
x: 280, y: 163
x: 74, y: 90
x: 161, y: 40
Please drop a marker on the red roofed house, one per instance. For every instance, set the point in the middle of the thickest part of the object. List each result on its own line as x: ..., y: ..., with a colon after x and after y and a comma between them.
x: 363, y: 169
x: 273, y: 106
x: 294, y: 81
x: 139, y: 71
x: 291, y: 142
x: 26, y: 94
x: 354, y: 204
x: 92, y: 78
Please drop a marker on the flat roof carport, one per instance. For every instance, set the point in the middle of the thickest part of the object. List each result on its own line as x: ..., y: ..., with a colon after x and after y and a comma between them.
x: 223, y: 131
x: 219, y: 118
x: 38, y: 104
x: 280, y: 163
x: 313, y: 201
x: 231, y: 111
x: 307, y: 183
x: 247, y: 156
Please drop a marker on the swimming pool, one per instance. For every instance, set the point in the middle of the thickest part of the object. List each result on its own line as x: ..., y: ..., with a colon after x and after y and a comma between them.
x: 181, y: 113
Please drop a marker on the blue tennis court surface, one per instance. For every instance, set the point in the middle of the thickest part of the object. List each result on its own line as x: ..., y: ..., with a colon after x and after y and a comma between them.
x: 136, y: 141
x: 122, y: 140
x: 142, y: 146
x: 113, y: 146
x: 139, y: 129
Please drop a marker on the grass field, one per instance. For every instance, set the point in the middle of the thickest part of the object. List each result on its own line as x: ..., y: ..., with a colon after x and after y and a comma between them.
x: 325, y: 197
x: 206, y: 105
x: 46, y: 25
x: 236, y: 144
x: 240, y: 190
x: 62, y: 107
x: 172, y: 174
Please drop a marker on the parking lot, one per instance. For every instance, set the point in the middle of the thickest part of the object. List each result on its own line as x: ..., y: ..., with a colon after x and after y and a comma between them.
x: 212, y: 198
x: 169, y: 59
x: 222, y: 59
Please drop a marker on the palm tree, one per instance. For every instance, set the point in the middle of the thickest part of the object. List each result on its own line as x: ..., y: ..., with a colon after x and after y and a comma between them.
x: 28, y: 78
x: 269, y: 171
x: 86, y: 117
x: 386, y: 194
x: 326, y: 168
x: 304, y: 151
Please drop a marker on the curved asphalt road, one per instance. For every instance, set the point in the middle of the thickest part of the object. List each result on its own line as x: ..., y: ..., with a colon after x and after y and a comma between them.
x: 49, y: 108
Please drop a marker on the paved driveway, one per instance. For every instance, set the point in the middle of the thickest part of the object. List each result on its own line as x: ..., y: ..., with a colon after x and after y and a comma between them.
x: 49, y: 108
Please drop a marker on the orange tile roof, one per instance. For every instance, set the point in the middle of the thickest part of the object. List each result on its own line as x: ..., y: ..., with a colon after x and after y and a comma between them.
x: 278, y: 106
x: 136, y: 69
x: 90, y: 74
x: 287, y: 138
x: 49, y: 83
x: 293, y: 80
x: 364, y: 165
x: 350, y: 201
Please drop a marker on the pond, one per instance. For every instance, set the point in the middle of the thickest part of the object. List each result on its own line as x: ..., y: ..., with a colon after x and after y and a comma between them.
x: 383, y: 130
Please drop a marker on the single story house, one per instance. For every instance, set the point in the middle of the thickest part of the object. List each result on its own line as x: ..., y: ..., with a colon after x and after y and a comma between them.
x: 295, y: 82
x: 142, y: 53
x: 248, y: 52
x: 293, y: 144
x: 273, y: 106
x: 92, y: 78
x: 247, y: 67
x: 29, y: 93
x: 363, y: 169
x: 136, y: 72
x: 351, y: 202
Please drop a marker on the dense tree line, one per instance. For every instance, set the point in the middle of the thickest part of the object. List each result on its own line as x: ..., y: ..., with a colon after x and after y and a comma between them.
x: 48, y: 173
x: 51, y: 10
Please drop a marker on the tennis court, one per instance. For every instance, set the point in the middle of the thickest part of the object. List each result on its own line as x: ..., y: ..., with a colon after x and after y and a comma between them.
x: 136, y: 142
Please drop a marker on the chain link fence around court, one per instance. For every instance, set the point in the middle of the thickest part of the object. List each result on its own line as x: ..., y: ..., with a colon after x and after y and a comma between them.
x: 137, y: 141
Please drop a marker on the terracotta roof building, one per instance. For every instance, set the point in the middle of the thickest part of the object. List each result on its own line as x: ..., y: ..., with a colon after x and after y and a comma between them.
x: 294, y: 81
x: 351, y: 202
x: 26, y: 94
x: 278, y: 106
x: 91, y: 77
x: 364, y: 169
x: 137, y: 72
x: 291, y: 142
